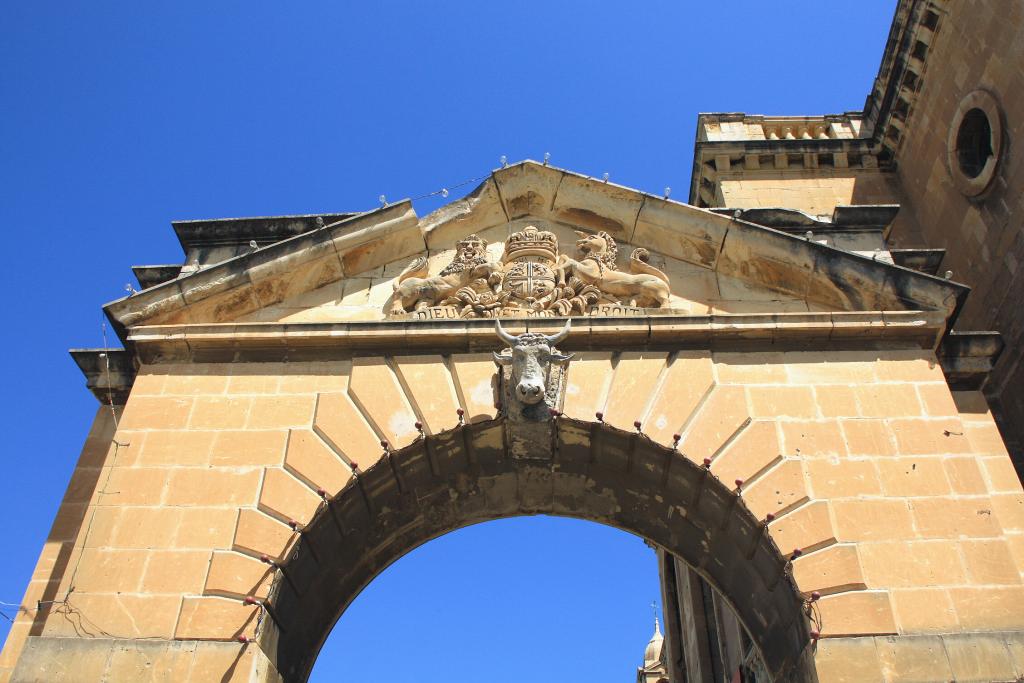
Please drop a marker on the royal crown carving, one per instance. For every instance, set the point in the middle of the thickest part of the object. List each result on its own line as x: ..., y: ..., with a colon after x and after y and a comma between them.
x: 531, y: 242
x: 531, y: 279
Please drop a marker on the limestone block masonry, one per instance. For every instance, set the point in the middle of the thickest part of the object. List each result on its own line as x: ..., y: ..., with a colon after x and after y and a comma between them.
x: 938, y: 137
x: 898, y: 492
x: 814, y: 449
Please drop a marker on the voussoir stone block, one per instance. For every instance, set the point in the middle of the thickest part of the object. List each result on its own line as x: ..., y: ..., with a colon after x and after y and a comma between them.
x: 376, y: 390
x: 588, y: 378
x: 429, y: 387
x: 475, y: 376
x: 215, y: 618
x: 310, y: 459
x: 857, y: 613
x: 633, y: 384
x: 235, y: 575
x: 782, y: 487
x: 687, y: 381
x: 720, y: 417
x: 830, y: 570
x: 287, y: 498
x: 754, y: 450
x: 340, y: 423
x: 260, y: 534
x: 807, y: 527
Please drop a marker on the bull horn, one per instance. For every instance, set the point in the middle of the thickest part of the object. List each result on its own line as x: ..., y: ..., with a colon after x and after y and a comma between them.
x: 559, y: 336
x: 509, y: 339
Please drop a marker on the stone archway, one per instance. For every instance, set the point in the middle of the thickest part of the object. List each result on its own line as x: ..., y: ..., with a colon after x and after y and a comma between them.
x: 590, y: 471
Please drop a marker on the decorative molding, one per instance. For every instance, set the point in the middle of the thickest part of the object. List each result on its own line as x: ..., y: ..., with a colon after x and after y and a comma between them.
x: 318, y: 341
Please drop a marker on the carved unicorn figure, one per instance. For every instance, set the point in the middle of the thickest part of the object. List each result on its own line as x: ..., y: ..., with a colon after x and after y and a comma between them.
x: 646, y: 286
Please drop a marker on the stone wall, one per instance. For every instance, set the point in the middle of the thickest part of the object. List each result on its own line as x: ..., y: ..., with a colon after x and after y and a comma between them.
x: 977, y: 47
x: 900, y: 496
x: 816, y: 192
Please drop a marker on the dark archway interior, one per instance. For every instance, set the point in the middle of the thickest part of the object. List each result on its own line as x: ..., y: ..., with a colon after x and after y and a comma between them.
x: 589, y: 471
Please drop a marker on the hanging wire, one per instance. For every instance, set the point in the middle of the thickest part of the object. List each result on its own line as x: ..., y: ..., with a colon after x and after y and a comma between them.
x: 65, y: 605
x: 106, y: 362
x: 445, y: 190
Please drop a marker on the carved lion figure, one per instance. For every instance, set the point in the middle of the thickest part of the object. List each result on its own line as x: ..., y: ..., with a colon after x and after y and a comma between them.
x: 646, y: 286
x: 471, y: 268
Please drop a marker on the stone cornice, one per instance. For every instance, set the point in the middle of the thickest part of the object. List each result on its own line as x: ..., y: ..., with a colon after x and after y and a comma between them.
x: 901, y: 73
x: 968, y: 357
x: 261, y: 277
x: 817, y: 273
x: 256, y: 342
x: 264, y: 230
x: 878, y: 129
x: 109, y: 373
x: 821, y: 275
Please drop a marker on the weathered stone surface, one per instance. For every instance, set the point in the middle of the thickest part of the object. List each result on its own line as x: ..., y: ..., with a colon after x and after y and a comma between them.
x: 376, y: 390
x: 687, y: 381
x: 829, y: 570
x: 310, y: 459
x: 857, y: 613
x: 234, y: 575
x: 215, y: 618
x: 768, y: 354
x: 531, y: 487
x: 633, y: 387
x: 428, y: 382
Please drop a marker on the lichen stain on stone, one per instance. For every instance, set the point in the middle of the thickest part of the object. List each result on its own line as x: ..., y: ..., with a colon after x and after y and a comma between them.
x: 489, y: 439
x: 521, y: 205
x: 483, y: 392
x: 575, y: 439
x: 270, y: 291
x: 589, y: 219
x: 230, y: 305
x: 401, y: 425
x: 706, y: 250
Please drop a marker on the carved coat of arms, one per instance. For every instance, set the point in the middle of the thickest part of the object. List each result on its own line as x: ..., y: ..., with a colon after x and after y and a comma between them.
x: 531, y: 278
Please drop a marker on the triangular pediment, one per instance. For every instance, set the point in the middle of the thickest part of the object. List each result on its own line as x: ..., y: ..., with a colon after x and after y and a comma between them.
x: 712, y: 263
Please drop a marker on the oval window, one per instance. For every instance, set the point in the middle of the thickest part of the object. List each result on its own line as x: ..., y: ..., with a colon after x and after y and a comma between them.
x: 974, y: 143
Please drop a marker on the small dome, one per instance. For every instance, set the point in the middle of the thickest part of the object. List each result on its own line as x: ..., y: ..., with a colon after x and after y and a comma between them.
x: 652, y: 654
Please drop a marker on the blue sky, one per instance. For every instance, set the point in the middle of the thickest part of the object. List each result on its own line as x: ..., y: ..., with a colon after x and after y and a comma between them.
x: 118, y: 117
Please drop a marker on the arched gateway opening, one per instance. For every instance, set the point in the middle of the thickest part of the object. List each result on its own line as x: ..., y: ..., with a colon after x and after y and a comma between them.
x: 518, y: 599
x: 588, y: 471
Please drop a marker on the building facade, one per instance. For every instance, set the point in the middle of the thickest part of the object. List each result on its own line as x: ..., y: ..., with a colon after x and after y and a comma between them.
x: 938, y: 137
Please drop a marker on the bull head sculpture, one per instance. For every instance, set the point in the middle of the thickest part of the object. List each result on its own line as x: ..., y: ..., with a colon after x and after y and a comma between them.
x: 530, y: 356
